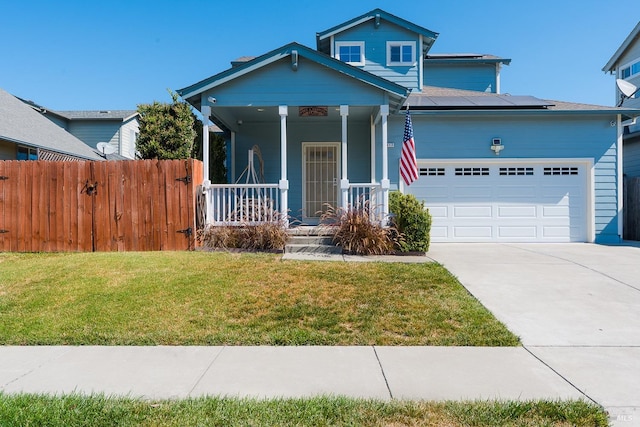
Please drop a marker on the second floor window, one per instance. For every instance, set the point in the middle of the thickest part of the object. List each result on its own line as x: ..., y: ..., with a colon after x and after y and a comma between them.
x: 401, y: 53
x: 350, y: 52
x: 630, y: 70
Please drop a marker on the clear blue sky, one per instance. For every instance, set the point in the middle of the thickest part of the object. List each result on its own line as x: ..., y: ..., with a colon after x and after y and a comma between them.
x: 83, y: 55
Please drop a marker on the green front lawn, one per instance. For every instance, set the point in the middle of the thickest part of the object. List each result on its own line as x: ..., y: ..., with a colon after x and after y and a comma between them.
x: 201, y: 298
x: 97, y: 411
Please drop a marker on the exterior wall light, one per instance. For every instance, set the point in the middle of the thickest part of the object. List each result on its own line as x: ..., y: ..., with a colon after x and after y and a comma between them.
x: 496, y: 145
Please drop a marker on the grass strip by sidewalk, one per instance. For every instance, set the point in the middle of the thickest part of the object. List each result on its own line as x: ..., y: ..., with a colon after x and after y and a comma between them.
x: 97, y: 411
x: 203, y: 298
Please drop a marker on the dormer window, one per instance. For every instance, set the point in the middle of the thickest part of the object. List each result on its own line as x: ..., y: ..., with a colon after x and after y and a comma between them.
x: 401, y: 53
x: 350, y: 52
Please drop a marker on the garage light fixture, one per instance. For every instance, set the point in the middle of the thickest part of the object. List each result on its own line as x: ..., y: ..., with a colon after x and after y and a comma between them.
x: 496, y: 145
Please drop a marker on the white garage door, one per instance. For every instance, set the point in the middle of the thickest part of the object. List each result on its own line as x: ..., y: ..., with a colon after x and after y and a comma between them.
x: 541, y: 202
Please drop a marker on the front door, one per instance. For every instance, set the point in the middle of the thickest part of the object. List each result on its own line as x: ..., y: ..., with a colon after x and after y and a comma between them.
x: 320, y: 178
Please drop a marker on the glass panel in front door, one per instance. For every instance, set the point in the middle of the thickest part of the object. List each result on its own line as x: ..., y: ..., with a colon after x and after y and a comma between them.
x: 321, y: 179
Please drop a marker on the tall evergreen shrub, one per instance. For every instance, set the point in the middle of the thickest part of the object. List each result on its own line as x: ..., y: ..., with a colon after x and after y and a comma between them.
x: 412, y: 220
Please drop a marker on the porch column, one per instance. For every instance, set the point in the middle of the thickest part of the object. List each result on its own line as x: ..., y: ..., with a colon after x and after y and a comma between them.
x: 373, y: 150
x: 384, y: 182
x: 344, y: 182
x: 283, y: 110
x: 206, y: 113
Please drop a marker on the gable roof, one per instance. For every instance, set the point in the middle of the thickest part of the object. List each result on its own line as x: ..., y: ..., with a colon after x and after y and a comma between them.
x: 21, y: 124
x: 397, y: 93
x: 428, y: 36
x: 633, y: 36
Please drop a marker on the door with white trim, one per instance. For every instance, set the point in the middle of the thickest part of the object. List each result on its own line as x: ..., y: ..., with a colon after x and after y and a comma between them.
x: 320, y: 178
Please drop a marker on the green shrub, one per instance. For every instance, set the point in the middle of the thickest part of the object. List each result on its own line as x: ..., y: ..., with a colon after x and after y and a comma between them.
x: 412, y: 221
x: 357, y: 233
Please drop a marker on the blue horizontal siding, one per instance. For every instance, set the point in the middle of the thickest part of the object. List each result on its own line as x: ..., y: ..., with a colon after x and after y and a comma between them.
x: 311, y: 84
x: 523, y: 137
x: 376, y: 51
x: 478, y: 77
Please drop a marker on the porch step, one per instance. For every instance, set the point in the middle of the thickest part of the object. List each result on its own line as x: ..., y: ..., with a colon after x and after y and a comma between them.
x: 316, y: 241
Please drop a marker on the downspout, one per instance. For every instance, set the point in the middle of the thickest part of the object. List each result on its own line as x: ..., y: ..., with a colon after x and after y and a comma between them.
x: 620, y: 178
x: 206, y: 113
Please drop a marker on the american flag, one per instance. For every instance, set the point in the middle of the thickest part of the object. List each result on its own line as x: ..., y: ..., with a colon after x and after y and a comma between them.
x: 408, y: 162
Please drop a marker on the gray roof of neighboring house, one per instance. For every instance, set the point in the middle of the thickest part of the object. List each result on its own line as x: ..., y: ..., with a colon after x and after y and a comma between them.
x: 120, y: 115
x: 21, y: 124
x: 633, y: 35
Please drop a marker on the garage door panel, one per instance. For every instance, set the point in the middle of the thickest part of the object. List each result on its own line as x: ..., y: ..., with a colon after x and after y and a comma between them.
x: 475, y: 211
x: 529, y: 232
x: 556, y: 232
x: 439, y: 211
x: 473, y: 232
x: 502, y: 202
x: 555, y: 211
x: 439, y: 233
x: 519, y: 211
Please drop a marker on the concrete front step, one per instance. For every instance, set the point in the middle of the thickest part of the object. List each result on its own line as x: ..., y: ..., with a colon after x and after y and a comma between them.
x: 312, y: 244
x: 312, y: 249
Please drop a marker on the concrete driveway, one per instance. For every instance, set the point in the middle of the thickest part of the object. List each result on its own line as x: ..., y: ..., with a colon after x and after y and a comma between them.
x: 576, y: 307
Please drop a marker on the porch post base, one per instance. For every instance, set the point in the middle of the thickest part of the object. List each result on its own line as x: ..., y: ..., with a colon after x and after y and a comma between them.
x: 385, y: 184
x: 284, y: 201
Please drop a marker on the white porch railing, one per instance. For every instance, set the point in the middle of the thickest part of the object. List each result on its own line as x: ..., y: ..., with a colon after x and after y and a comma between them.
x: 242, y: 204
x: 369, y: 196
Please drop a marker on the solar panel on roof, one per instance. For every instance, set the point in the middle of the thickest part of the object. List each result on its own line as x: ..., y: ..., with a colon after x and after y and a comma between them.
x: 477, y: 101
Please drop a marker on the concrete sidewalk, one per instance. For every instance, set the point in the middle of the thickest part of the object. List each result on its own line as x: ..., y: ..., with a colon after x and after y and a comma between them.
x: 162, y: 372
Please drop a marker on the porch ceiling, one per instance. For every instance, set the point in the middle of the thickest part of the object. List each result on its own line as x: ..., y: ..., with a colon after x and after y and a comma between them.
x: 233, y: 118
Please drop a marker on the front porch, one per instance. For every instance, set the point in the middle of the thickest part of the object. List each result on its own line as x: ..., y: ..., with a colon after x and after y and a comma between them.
x: 294, y: 175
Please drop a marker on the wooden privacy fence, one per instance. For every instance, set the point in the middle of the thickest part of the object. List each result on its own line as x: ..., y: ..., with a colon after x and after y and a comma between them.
x: 631, y: 212
x: 141, y: 205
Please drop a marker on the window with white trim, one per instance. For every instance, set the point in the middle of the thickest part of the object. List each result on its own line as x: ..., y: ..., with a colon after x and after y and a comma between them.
x: 401, y: 53
x: 350, y: 52
x: 630, y: 70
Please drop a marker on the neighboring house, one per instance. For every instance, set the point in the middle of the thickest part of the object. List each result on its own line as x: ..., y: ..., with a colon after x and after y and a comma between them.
x: 27, y: 135
x: 329, y: 123
x: 118, y: 128
x: 625, y: 65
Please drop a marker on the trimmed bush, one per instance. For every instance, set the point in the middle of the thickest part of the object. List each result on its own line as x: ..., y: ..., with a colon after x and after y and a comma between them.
x: 412, y: 221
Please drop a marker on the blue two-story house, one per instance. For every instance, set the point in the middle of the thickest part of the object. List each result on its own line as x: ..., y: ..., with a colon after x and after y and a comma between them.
x: 325, y: 127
